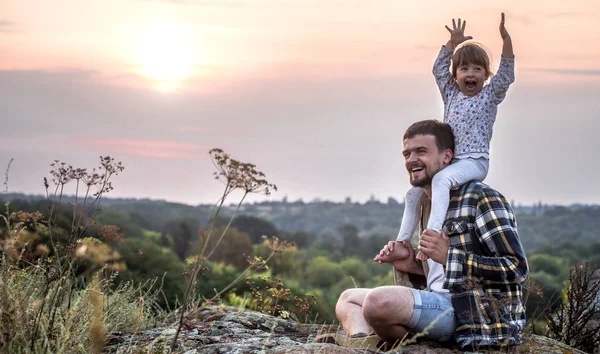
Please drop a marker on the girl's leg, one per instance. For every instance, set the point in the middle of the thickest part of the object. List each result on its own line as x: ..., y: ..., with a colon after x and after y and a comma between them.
x: 412, y: 209
x: 458, y: 173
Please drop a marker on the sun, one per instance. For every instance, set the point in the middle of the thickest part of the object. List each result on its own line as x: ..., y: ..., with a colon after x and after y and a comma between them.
x: 165, y: 55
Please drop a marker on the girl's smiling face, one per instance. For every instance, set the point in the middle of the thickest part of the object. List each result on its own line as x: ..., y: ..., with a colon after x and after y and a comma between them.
x: 470, y: 68
x: 470, y: 78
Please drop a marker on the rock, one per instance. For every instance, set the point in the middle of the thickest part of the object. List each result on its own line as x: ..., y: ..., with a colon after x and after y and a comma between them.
x: 226, y: 330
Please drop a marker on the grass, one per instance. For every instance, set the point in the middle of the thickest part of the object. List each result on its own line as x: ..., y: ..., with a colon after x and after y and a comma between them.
x: 39, y: 320
x: 57, y: 291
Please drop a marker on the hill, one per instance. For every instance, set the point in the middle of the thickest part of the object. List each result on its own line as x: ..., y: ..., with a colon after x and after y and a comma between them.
x: 538, y: 224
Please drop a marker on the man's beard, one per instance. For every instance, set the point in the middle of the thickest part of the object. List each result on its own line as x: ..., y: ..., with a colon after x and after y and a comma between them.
x: 421, y: 182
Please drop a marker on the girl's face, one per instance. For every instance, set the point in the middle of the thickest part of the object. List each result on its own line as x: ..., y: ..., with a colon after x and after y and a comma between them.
x: 470, y: 78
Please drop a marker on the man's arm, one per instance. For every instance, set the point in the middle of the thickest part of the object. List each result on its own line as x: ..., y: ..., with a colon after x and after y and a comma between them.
x: 401, y: 255
x: 497, y: 233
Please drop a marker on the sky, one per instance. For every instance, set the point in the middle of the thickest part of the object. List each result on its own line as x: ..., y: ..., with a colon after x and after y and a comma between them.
x: 316, y: 93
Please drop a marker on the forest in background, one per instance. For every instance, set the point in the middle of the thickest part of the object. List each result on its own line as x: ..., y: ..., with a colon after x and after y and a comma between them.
x: 334, y: 244
x: 539, y: 224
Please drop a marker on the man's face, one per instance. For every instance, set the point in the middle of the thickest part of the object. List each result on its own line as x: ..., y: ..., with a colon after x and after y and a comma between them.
x: 423, y: 159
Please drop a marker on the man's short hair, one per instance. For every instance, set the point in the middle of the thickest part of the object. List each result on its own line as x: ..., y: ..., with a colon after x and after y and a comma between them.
x: 444, y: 138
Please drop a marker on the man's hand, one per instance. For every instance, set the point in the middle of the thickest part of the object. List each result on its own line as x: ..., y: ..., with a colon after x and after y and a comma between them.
x: 434, y: 245
x: 503, y: 32
x: 457, y: 34
x: 401, y: 255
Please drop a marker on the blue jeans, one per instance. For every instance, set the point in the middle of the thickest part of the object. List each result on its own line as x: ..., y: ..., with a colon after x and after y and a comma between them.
x: 433, y: 309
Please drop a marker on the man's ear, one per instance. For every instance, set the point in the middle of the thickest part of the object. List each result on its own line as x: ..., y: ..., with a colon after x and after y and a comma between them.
x: 448, y: 155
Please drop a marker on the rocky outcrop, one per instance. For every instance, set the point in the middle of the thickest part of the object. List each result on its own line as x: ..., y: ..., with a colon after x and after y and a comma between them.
x: 596, y: 278
x: 219, y: 330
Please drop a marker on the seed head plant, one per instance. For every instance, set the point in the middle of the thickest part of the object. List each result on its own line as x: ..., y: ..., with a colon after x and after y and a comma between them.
x: 235, y: 176
x: 573, y: 322
x: 48, y: 259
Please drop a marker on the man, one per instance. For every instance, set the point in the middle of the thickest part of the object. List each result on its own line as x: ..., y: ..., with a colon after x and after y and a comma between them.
x: 476, y: 266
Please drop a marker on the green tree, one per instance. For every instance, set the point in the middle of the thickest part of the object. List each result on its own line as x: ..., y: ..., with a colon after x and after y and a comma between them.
x: 128, y: 227
x: 372, y: 245
x: 555, y: 266
x: 302, y: 239
x: 165, y: 240
x: 145, y: 261
x: 351, y: 242
x: 183, y: 231
x: 285, y: 263
x: 323, y: 273
x: 255, y: 227
x: 233, y: 248
x: 216, y: 277
x: 357, y: 269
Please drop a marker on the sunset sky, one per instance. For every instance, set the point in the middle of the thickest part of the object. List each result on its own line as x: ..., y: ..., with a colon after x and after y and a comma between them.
x: 316, y: 93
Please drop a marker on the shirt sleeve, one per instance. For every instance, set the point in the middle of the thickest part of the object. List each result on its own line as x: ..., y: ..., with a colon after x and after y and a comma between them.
x: 503, y: 78
x: 441, y: 72
x: 496, y: 229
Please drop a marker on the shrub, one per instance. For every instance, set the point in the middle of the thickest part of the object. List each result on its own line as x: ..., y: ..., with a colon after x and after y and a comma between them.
x: 573, y: 323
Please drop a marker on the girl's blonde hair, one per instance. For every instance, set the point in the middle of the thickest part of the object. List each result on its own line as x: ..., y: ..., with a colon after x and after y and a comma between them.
x: 471, y: 53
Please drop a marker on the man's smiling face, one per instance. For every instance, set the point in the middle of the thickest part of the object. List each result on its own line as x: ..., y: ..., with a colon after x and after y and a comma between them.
x: 423, y: 159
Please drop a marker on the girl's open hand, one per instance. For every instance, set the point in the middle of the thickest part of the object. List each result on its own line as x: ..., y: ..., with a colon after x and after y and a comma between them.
x: 503, y: 32
x: 457, y: 33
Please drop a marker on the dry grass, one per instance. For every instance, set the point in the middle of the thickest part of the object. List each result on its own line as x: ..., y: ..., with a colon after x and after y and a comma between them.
x: 56, y: 283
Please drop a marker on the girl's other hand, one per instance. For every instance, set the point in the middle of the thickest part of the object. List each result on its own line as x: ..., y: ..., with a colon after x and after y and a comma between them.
x: 457, y: 33
x: 503, y: 32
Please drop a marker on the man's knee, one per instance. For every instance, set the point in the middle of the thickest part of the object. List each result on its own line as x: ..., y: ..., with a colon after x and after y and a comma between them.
x: 350, y: 297
x: 388, y: 305
x: 373, y: 308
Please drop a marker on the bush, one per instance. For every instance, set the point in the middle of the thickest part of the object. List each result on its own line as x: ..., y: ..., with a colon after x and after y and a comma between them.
x: 56, y: 280
x: 573, y: 323
x: 34, y: 319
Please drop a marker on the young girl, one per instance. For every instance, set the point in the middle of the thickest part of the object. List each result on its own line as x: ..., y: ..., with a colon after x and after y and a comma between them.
x: 470, y: 110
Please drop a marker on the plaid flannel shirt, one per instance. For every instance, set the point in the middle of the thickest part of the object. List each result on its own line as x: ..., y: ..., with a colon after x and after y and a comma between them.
x: 485, y: 268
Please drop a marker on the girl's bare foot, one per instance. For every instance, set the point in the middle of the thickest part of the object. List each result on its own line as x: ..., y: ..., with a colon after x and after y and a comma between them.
x: 422, y: 256
x: 393, y: 251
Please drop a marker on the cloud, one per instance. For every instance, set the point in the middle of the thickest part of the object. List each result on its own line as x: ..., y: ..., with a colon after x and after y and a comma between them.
x: 560, y: 14
x: 510, y: 16
x: 576, y: 72
x: 7, y: 26
x: 174, y: 2
x: 518, y: 18
x: 157, y: 149
x: 570, y: 57
x: 427, y: 47
x: 200, y: 2
x: 190, y: 129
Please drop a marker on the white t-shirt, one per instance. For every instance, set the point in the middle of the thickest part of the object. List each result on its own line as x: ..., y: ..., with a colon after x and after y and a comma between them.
x: 436, y: 277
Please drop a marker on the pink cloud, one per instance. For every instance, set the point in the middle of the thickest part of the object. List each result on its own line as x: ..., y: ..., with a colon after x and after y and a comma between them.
x: 157, y: 149
x: 189, y: 129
